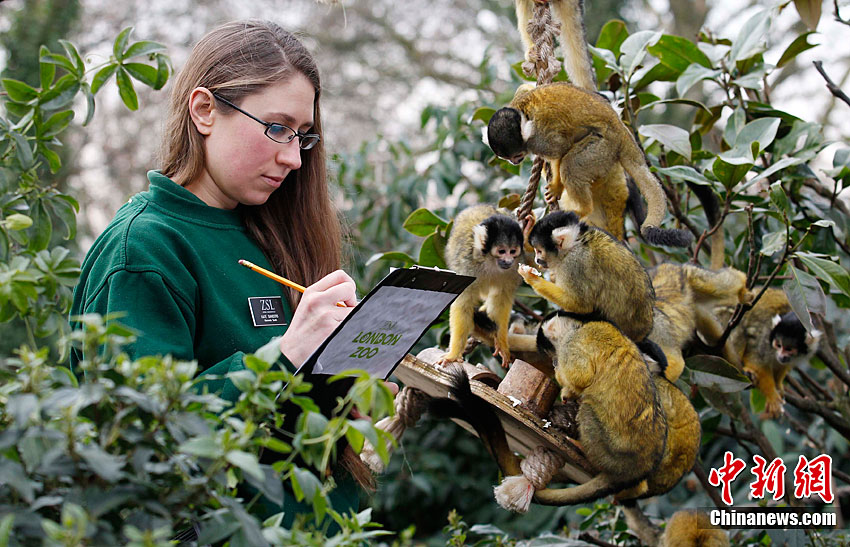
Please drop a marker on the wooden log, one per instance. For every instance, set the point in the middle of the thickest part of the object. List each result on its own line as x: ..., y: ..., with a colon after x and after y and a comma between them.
x: 530, y: 385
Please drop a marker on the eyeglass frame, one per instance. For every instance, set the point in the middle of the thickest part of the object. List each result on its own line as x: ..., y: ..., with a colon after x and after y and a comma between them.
x: 301, y: 136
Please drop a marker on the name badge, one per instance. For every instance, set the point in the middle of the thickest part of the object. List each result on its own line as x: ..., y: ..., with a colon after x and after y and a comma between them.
x: 266, y: 311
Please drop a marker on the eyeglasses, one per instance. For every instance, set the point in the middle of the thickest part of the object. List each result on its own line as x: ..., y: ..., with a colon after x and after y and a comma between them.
x: 277, y: 131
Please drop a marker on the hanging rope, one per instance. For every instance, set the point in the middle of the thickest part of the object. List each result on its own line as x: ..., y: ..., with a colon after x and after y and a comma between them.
x: 409, y: 405
x: 541, y: 61
x: 516, y: 492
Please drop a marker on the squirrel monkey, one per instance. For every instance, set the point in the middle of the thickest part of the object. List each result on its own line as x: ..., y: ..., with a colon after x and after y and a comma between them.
x: 487, y: 245
x: 691, y: 528
x: 591, y: 272
x: 621, y: 423
x: 582, y: 136
x: 686, y: 296
x: 769, y: 341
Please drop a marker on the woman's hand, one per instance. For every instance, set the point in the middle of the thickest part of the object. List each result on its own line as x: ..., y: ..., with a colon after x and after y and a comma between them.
x: 318, y: 315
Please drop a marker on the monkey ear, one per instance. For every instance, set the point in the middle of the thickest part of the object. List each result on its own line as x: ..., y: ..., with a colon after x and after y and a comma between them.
x: 813, y: 338
x: 479, y: 237
x: 566, y: 237
x: 776, y: 319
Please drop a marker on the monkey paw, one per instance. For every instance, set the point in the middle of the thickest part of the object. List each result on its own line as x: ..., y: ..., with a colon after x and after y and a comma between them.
x: 503, y: 354
x: 773, y: 409
x: 447, y: 360
x: 527, y: 272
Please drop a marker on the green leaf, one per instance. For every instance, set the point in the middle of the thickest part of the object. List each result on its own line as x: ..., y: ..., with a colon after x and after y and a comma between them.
x: 798, y: 46
x: 62, y: 93
x: 74, y: 55
x: 776, y: 167
x: 42, y: 228
x: 18, y: 221
x: 53, y: 159
x: 658, y: 73
x: 634, y: 50
x: 678, y: 53
x: 773, y: 243
x: 693, y: 74
x: 304, y: 484
x: 103, y: 464
x: 729, y: 174
x: 57, y: 123
x: 125, y: 89
x: 762, y: 131
x: 355, y: 439
x: 779, y: 199
x: 102, y: 76
x: 18, y: 91
x: 752, y: 38
x: 145, y: 47
x: 837, y: 276
x: 736, y: 122
x: 423, y: 222
x: 46, y: 70
x: 611, y: 36
x: 810, y: 11
x: 162, y: 71
x: 432, y: 251
x: 483, y: 113
x: 392, y: 255
x: 142, y: 72
x: 715, y: 373
x: 121, y: 44
x: 89, y: 104
x: 205, y: 447
x: 688, y: 102
x: 23, y: 150
x: 683, y: 172
x: 56, y: 59
x: 672, y: 137
x: 247, y: 462
x: 6, y: 525
x: 795, y: 289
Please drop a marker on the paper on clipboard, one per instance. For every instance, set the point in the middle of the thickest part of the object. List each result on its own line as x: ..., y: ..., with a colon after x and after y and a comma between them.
x: 385, y: 325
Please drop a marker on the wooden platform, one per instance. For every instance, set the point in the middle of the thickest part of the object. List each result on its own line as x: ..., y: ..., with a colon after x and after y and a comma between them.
x: 525, y: 431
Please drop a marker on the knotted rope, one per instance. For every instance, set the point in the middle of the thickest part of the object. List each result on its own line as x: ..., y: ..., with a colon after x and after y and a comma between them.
x: 410, y: 403
x: 516, y: 492
x: 540, y: 60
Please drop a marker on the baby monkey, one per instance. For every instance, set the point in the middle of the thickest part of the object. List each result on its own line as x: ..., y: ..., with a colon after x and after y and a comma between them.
x: 487, y: 245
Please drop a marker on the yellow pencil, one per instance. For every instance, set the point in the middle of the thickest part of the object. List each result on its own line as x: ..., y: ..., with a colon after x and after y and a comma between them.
x: 279, y: 279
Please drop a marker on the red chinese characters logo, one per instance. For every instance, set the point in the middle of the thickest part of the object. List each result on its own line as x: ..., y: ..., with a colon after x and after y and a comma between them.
x: 811, y: 477
x: 814, y: 477
x: 768, y: 479
x: 732, y: 467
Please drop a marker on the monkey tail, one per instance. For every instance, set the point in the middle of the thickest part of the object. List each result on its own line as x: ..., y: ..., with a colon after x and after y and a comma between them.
x: 634, y: 203
x: 634, y: 162
x: 653, y: 351
x: 597, y: 487
x: 577, y: 60
x: 470, y: 408
x: 711, y: 207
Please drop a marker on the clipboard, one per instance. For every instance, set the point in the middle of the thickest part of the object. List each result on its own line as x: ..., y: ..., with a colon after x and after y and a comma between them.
x: 387, y: 323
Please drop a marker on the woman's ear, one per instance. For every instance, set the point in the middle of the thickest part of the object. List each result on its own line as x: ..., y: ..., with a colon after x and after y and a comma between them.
x: 202, y: 109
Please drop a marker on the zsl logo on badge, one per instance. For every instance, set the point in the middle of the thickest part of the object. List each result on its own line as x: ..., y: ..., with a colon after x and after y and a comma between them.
x: 266, y: 304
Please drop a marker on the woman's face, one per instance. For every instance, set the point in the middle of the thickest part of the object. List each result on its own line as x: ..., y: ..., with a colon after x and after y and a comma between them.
x: 243, y: 165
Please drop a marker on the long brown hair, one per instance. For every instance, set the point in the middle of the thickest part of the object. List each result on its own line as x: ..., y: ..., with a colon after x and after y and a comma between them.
x: 298, y: 228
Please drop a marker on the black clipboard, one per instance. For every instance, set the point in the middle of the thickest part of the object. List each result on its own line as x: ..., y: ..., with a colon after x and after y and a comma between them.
x: 387, y: 323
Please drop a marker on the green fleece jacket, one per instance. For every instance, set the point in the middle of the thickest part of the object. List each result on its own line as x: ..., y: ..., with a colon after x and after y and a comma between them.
x: 170, y: 263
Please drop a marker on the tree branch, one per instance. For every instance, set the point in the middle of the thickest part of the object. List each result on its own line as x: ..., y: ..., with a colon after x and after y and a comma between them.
x: 834, y: 89
x: 839, y: 424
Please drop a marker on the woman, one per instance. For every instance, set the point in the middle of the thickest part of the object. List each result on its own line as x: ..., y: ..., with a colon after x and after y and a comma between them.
x: 243, y: 177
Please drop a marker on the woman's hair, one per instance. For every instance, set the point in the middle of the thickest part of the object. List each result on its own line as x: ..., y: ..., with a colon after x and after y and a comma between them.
x: 298, y: 228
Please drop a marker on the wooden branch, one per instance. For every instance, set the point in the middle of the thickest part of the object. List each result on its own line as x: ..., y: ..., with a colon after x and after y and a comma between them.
x: 834, y: 89
x: 839, y: 424
x: 828, y: 356
x: 769, y: 454
x: 702, y: 476
x: 812, y: 383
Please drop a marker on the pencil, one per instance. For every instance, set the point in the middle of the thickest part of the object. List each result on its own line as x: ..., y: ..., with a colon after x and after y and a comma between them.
x: 280, y: 279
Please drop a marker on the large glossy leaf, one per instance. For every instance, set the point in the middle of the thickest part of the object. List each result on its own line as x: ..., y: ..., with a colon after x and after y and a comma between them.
x: 752, y: 37
x: 809, y: 11
x: 678, y: 53
x: 833, y: 273
x: 693, y: 74
x: 672, y: 137
x: 423, y: 222
x: 798, y: 46
x: 805, y: 295
x: 683, y: 172
x: 634, y: 51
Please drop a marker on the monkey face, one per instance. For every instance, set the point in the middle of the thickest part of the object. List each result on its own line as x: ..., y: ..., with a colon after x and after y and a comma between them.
x: 505, y: 255
x: 786, y: 350
x: 540, y: 257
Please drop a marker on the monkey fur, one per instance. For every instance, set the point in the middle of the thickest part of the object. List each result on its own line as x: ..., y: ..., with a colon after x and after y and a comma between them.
x: 588, y: 146
x: 769, y: 342
x: 591, y: 273
x: 691, y: 528
x: 686, y: 296
x: 621, y: 422
x: 487, y: 245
